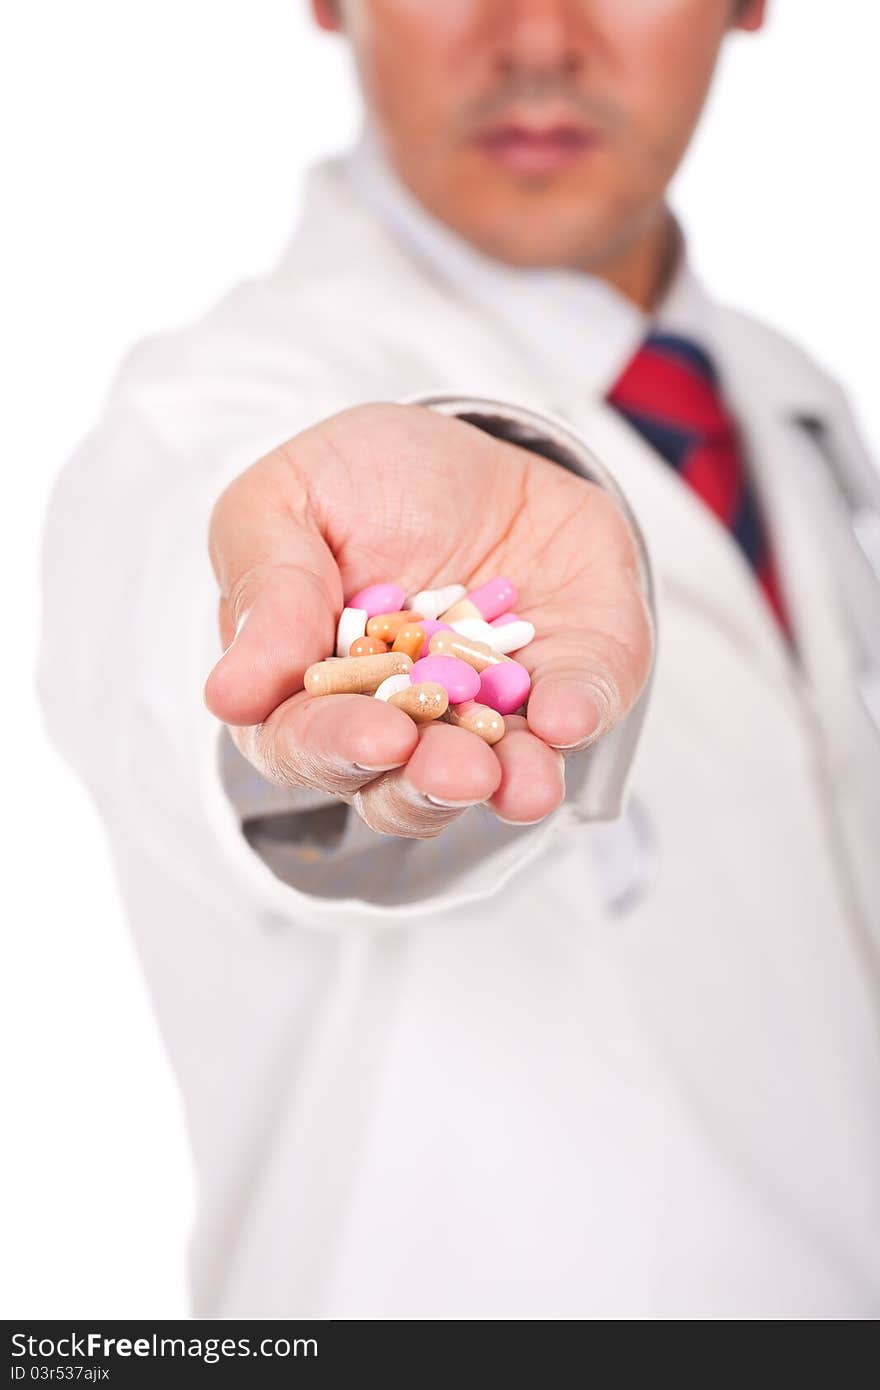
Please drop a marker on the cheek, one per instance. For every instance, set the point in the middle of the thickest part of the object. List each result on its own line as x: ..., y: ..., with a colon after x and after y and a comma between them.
x: 660, y: 56
x: 410, y: 51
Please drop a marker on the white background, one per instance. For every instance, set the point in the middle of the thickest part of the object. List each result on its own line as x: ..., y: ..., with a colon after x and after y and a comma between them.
x: 155, y: 155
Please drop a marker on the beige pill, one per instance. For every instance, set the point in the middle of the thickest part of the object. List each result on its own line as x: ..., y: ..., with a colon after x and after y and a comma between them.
x: 476, y: 654
x: 423, y: 701
x: 410, y: 639
x: 387, y: 625
x: 486, y: 723
x: 354, y: 675
x: 463, y: 609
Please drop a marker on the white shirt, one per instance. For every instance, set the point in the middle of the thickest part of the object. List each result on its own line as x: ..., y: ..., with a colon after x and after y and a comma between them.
x: 507, y: 1073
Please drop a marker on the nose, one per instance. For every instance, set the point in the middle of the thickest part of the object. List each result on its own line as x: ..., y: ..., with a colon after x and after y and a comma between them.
x: 537, y: 36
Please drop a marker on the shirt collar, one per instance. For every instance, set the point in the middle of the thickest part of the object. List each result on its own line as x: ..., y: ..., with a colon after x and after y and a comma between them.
x: 567, y: 316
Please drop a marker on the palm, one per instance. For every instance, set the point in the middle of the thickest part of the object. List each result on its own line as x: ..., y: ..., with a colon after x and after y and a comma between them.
x: 400, y: 493
x: 441, y: 503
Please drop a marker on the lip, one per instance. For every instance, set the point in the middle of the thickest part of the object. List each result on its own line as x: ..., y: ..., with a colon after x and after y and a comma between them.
x: 536, y: 150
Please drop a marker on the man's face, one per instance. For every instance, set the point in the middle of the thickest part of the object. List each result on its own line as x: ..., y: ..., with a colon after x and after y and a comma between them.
x: 543, y: 131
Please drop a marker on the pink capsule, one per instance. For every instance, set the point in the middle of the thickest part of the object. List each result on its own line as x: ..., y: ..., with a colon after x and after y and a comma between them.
x: 460, y: 681
x: 378, y: 598
x: 503, y: 687
x: 492, y: 598
x: 429, y: 626
x: 505, y: 619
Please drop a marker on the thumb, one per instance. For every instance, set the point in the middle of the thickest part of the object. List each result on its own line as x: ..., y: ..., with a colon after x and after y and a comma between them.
x: 279, y: 593
x: 585, y: 682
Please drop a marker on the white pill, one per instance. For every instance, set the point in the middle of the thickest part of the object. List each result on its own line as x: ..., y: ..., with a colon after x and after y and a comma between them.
x: 392, y: 685
x: 352, y: 625
x: 478, y: 630
x: 511, y: 636
x: 432, y: 602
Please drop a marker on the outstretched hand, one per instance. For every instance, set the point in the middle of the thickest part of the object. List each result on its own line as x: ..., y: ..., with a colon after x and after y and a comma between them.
x: 400, y: 492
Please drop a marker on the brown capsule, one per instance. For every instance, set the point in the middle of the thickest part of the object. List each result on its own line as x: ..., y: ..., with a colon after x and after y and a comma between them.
x: 387, y: 625
x: 423, y: 701
x: 410, y: 639
x: 463, y: 609
x: 367, y: 646
x: 469, y: 649
x: 486, y: 723
x: 354, y: 675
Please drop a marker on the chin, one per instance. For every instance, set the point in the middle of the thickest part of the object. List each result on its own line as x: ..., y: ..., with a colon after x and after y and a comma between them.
x: 556, y: 222
x: 547, y: 240
x: 535, y: 254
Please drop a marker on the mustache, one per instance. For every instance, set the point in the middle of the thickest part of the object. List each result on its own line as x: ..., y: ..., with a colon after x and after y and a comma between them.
x: 534, y: 90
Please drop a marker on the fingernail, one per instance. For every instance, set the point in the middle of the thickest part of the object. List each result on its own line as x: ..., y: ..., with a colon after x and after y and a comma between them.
x: 450, y: 805
x: 369, y: 767
x: 601, y: 701
x: 238, y: 627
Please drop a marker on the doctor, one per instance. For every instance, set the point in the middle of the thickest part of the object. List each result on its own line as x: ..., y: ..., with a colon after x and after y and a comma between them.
x: 534, y: 1049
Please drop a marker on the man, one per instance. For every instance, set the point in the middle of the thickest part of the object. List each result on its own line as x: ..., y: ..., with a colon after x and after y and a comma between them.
x: 526, y: 1051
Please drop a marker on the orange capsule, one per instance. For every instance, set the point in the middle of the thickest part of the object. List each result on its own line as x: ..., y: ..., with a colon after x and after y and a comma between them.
x: 387, y: 625
x: 410, y: 639
x: 367, y: 646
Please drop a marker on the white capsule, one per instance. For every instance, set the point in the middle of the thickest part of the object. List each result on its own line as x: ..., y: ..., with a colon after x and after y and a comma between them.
x: 352, y: 625
x: 432, y: 602
x: 478, y: 630
x: 510, y: 637
x: 392, y: 685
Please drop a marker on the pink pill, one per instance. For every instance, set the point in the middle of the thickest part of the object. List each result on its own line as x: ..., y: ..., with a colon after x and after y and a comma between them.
x: 460, y: 681
x: 504, y: 687
x: 505, y: 619
x: 429, y: 626
x: 492, y: 598
x: 378, y: 598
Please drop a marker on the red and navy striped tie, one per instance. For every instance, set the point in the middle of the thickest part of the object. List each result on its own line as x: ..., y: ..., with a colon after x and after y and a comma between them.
x: 670, y: 394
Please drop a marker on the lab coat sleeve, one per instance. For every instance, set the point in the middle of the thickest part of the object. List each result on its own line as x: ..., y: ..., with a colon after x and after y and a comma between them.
x: 129, y: 633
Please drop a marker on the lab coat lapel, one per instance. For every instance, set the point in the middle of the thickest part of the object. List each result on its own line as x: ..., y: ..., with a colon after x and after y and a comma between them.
x: 696, y: 560
x: 802, y: 506
x: 796, y: 494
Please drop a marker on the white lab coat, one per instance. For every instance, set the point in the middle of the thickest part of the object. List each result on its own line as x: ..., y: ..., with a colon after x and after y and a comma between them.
x: 616, y: 1070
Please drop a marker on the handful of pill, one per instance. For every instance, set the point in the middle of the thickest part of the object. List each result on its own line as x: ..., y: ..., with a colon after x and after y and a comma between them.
x: 444, y: 653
